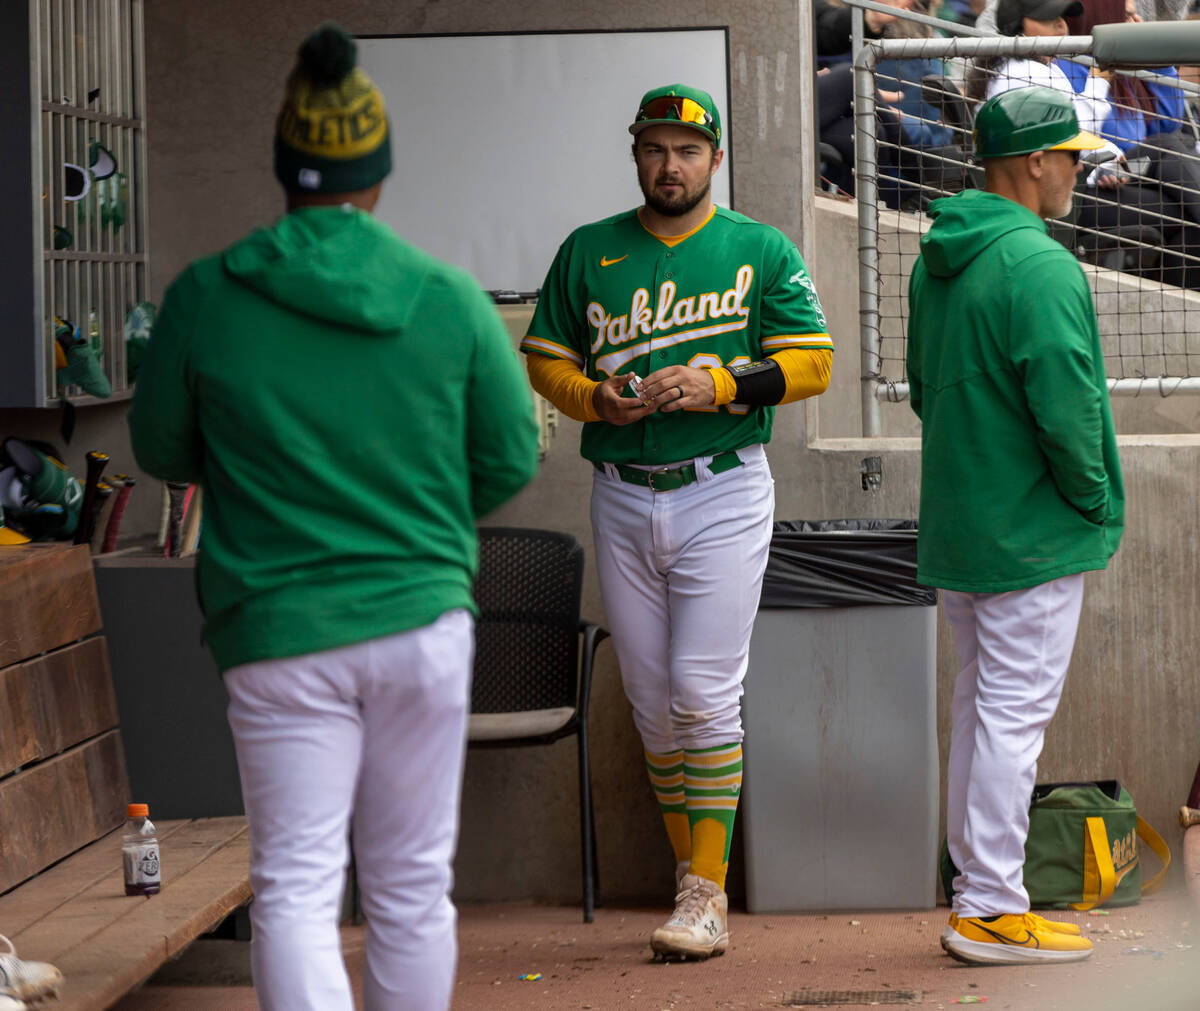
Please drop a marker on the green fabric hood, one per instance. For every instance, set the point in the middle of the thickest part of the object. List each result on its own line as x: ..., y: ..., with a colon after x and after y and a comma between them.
x: 311, y: 261
x: 965, y: 224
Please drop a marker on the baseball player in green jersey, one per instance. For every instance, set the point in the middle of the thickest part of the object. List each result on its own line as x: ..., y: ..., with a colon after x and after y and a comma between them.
x: 672, y: 331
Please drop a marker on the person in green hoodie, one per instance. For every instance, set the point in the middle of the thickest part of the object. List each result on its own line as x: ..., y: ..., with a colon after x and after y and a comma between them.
x: 350, y: 406
x: 1021, y: 493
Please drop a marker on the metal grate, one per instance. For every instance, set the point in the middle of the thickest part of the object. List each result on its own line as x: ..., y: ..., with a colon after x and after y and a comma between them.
x: 823, y: 998
x: 91, y: 82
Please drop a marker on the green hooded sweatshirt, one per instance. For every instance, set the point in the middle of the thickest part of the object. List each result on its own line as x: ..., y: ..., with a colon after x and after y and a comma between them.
x: 350, y: 406
x: 1020, y: 478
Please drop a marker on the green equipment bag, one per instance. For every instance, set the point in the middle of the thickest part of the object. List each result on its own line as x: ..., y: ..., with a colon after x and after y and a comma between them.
x: 1082, y: 849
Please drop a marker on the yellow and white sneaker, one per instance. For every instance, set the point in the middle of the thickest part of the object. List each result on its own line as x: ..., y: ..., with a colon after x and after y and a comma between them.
x: 1055, y: 925
x: 25, y: 981
x: 1058, y: 925
x: 1012, y: 939
x: 698, y: 927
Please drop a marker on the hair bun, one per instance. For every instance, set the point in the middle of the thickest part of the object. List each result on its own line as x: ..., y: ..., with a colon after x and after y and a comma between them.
x: 328, y: 55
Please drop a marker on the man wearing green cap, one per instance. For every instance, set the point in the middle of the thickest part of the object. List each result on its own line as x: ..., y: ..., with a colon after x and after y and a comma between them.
x: 351, y: 406
x: 1021, y: 494
x: 718, y: 315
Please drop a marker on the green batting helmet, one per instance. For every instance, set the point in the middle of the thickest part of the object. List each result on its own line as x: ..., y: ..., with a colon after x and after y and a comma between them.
x: 1028, y: 120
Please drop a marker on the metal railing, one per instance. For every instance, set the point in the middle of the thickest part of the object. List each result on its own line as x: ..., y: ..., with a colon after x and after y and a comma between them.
x: 1157, y: 334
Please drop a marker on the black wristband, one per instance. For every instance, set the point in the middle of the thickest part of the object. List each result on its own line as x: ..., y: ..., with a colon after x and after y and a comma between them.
x: 759, y: 384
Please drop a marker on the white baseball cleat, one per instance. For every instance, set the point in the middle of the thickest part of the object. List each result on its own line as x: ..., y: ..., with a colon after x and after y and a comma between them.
x: 697, y: 928
x: 25, y: 981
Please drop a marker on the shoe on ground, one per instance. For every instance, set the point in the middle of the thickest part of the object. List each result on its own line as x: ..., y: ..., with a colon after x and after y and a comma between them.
x: 1054, y: 925
x: 1012, y: 939
x: 25, y: 981
x: 1058, y: 925
x: 698, y: 927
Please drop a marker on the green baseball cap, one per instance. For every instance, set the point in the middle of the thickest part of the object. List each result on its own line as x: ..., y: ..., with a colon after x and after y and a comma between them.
x: 1028, y: 120
x: 679, y: 105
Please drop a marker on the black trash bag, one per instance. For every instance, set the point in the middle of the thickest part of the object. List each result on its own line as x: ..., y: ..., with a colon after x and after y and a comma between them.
x: 843, y: 563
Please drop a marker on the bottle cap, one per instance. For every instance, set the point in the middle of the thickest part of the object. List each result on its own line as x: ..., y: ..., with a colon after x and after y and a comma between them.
x: 138, y: 811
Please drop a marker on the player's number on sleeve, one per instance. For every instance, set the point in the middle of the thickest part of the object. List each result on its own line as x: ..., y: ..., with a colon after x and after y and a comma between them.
x: 707, y: 361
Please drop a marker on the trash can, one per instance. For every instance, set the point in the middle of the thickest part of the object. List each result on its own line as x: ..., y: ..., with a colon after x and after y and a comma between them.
x: 841, y: 759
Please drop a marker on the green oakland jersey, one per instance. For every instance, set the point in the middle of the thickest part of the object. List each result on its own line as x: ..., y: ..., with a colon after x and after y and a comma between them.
x: 618, y: 299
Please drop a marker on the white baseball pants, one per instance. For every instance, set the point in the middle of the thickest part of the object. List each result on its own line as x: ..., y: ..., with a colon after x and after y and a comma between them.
x: 1014, y: 649
x: 371, y: 735
x: 680, y: 574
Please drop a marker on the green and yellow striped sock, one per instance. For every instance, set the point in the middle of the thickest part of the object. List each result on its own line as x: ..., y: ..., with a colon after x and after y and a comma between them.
x: 712, y: 782
x: 666, y: 776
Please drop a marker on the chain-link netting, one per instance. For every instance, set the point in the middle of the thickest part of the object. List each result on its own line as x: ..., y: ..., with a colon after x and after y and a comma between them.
x: 1134, y: 223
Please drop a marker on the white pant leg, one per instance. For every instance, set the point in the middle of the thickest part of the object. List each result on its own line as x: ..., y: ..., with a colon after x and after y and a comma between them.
x: 298, y: 734
x: 1025, y: 639
x: 714, y: 544
x: 960, y: 612
x: 681, y: 574
x: 415, y: 706
x: 382, y: 722
x: 635, y: 604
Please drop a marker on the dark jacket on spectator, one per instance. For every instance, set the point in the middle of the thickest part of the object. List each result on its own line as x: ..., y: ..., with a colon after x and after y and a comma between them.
x: 831, y: 28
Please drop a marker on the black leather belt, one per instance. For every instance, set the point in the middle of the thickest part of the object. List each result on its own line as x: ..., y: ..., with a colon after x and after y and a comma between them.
x: 670, y: 478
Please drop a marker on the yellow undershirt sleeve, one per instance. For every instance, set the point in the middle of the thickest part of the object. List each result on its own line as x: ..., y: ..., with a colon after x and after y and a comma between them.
x: 805, y: 374
x: 563, y: 385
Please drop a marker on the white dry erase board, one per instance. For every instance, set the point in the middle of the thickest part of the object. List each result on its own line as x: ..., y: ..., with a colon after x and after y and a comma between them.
x: 502, y: 144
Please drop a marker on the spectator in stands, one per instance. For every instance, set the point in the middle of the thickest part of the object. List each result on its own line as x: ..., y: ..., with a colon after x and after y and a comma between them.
x: 835, y: 122
x: 1137, y: 208
x: 832, y: 25
x: 962, y: 12
x: 906, y: 124
x: 1147, y: 10
x: 1145, y: 116
x: 995, y: 75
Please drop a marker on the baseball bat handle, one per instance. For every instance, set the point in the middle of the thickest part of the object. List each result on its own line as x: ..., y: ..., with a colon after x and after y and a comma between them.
x: 176, y: 493
x: 118, y: 513
x: 96, y: 462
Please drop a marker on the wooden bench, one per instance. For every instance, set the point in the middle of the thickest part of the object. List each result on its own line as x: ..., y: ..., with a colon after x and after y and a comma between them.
x: 77, y: 915
x: 63, y: 791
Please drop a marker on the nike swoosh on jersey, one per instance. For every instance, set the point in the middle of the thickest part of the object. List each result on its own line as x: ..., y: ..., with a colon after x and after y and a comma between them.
x: 606, y: 262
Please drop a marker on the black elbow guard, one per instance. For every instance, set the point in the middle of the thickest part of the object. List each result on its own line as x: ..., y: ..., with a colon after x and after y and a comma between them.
x: 759, y: 384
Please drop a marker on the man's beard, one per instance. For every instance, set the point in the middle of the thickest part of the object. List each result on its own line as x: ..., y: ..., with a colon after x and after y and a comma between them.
x: 677, y: 206
x: 1063, y: 205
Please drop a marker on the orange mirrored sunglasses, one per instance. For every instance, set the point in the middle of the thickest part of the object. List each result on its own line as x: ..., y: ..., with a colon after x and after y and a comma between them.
x: 685, y: 110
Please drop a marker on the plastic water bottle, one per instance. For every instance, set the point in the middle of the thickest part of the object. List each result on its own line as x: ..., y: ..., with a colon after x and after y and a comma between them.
x: 139, y: 852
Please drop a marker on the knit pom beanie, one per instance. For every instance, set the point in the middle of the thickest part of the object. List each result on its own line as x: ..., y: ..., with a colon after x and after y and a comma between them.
x: 332, y: 132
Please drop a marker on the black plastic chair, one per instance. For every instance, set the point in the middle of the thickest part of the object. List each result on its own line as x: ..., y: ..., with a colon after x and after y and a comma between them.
x: 534, y: 657
x: 533, y: 662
